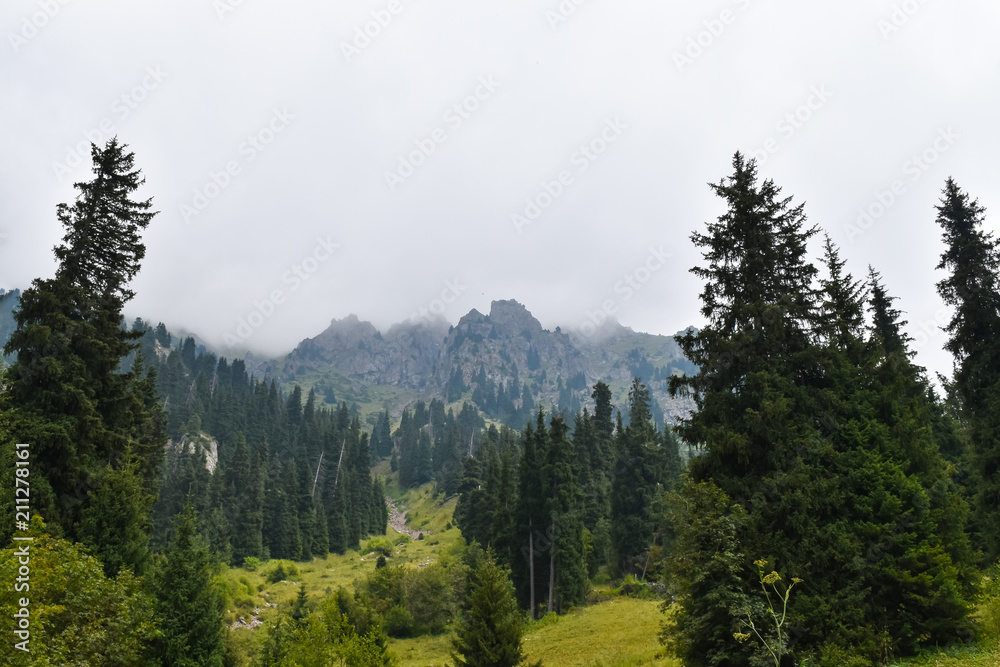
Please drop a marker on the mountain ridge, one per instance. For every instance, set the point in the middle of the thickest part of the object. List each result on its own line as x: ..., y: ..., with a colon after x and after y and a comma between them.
x: 505, y: 362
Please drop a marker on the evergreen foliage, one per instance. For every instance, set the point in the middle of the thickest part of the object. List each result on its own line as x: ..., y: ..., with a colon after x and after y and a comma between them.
x: 817, y: 429
x: 972, y: 288
x: 68, y: 395
x: 188, y: 607
x: 490, y: 627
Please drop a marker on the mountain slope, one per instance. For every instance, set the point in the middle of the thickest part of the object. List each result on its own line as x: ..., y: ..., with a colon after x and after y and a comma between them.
x: 504, y: 362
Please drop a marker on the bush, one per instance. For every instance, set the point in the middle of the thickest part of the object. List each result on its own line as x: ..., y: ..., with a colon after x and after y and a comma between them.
x: 244, y: 603
x: 251, y: 563
x: 281, y: 573
x: 429, y: 598
x: 988, y: 612
x: 380, y: 546
x: 382, y: 589
x: 632, y: 588
x: 399, y: 622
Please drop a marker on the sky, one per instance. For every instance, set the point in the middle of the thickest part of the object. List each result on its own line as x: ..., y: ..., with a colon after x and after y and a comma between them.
x: 400, y: 159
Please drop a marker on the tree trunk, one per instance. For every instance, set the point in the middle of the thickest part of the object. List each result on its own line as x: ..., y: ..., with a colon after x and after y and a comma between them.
x: 552, y: 567
x: 531, y: 566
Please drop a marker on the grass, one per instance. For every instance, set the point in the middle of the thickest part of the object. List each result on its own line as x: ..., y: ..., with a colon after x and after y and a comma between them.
x: 248, y: 594
x: 620, y: 633
x: 975, y: 656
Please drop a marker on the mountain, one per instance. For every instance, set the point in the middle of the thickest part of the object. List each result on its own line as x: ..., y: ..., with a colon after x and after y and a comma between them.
x: 504, y: 362
x: 8, y: 302
x: 406, y: 356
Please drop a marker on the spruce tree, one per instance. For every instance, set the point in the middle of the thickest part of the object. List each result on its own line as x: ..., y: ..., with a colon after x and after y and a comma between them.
x: 187, y: 604
x: 633, y: 485
x: 817, y: 442
x: 530, y: 511
x: 972, y: 287
x: 567, y: 571
x: 69, y: 398
x: 116, y: 527
x: 489, y: 631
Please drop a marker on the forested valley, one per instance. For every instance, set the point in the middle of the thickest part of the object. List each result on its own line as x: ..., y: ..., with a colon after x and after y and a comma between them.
x: 827, y: 502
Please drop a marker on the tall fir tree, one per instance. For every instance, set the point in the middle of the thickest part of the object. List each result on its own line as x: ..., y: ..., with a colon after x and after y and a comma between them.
x: 633, y: 485
x: 972, y: 287
x: 567, y: 568
x: 187, y: 604
x: 67, y: 393
x: 795, y: 430
x: 489, y: 631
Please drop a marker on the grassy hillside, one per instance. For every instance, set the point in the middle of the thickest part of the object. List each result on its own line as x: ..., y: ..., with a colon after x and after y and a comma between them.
x: 619, y: 632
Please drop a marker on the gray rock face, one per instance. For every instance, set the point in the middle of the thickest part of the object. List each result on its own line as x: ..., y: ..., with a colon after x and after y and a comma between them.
x: 405, y: 356
x: 509, y: 345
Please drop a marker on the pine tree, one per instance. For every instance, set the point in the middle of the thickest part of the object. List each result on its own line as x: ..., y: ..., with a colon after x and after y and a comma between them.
x: 488, y: 633
x: 633, y: 485
x: 972, y: 288
x: 424, y: 471
x: 472, y: 511
x: 116, y: 527
x: 567, y: 571
x: 70, y: 400
x: 816, y: 440
x: 531, y: 508
x: 188, y: 606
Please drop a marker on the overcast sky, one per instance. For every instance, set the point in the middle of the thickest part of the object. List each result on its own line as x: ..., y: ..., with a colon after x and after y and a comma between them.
x: 312, y: 160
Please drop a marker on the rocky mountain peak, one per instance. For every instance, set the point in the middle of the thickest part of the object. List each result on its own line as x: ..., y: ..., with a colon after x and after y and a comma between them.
x: 513, y: 318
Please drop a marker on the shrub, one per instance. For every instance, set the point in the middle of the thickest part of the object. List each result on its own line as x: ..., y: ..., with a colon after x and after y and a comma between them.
x: 988, y: 613
x: 399, y: 622
x: 632, y: 588
x: 428, y: 594
x: 281, y: 573
x: 244, y: 602
x: 380, y: 546
x: 251, y: 563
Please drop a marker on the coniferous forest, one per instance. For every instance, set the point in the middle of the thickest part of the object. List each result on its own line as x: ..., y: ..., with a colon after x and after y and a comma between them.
x: 826, y: 503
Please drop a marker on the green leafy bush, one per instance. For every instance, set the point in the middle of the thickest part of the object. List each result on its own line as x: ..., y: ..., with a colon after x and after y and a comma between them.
x: 380, y: 546
x: 399, y: 622
x: 282, y: 572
